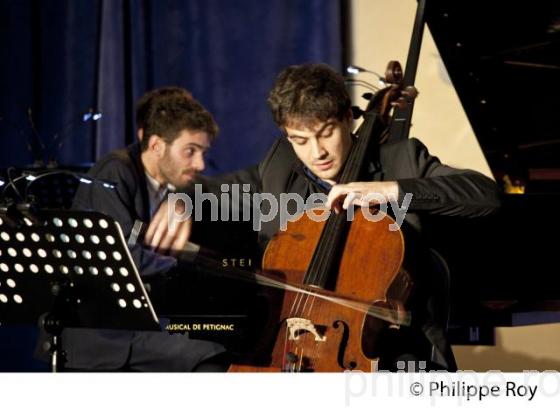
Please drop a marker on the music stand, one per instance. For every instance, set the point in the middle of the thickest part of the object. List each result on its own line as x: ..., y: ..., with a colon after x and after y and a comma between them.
x: 52, y: 188
x: 71, y: 269
x: 55, y: 189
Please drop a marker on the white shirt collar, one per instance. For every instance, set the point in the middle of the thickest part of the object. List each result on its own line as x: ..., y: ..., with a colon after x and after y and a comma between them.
x: 155, y: 186
x: 156, y: 192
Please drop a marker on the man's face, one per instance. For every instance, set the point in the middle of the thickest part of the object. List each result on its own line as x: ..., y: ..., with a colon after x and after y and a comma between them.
x: 184, y: 157
x: 323, y: 147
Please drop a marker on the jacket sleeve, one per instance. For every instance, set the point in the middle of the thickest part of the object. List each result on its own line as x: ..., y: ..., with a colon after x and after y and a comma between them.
x: 442, y: 190
x: 119, y: 204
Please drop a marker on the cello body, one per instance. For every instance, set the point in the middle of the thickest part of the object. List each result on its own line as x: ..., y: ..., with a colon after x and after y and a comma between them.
x: 307, y: 333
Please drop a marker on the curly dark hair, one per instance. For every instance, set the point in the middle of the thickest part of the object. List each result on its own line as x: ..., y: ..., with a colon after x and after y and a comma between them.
x: 308, y: 93
x: 144, y: 103
x: 168, y: 111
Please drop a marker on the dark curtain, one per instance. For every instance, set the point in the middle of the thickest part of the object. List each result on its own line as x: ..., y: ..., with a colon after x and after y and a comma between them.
x: 62, y: 57
x: 59, y: 58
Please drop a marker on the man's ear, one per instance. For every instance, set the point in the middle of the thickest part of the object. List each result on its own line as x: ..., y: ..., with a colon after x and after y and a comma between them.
x: 155, y: 144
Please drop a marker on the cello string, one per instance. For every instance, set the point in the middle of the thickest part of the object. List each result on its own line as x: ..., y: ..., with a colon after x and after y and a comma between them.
x: 310, y: 296
x: 314, y: 277
x: 317, y: 266
x: 335, y: 223
x: 301, y: 313
x: 292, y: 313
x: 299, y: 298
x: 305, y: 304
x: 318, y: 313
x: 310, y: 305
x: 285, y: 348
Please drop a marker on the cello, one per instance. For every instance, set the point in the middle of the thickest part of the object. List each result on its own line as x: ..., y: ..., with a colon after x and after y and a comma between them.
x: 344, y: 282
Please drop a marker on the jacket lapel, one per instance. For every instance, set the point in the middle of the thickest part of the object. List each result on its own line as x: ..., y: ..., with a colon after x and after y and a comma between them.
x: 142, y: 199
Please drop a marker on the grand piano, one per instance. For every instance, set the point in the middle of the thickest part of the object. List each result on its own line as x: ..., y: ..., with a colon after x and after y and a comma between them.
x: 504, y: 61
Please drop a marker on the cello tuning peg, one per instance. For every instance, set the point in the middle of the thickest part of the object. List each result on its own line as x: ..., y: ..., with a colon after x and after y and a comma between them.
x: 410, y: 93
x: 357, y: 112
x: 393, y: 73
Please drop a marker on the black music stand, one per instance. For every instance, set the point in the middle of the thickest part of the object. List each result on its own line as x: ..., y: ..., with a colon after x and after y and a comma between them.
x: 54, y: 189
x: 45, y: 187
x: 69, y: 269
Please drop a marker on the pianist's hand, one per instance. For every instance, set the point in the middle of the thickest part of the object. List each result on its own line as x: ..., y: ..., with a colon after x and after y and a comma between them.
x: 168, y: 233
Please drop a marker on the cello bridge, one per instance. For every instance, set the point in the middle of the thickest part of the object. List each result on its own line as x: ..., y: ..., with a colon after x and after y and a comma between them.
x: 297, y: 325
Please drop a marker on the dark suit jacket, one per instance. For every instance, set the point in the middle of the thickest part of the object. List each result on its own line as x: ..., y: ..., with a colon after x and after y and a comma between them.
x: 110, y: 349
x: 437, y: 189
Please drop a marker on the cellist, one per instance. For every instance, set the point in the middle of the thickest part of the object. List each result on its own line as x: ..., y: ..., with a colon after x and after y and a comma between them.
x: 312, y: 108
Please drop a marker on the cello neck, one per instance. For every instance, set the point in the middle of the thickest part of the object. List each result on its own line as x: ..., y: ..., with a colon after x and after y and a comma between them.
x: 322, y: 270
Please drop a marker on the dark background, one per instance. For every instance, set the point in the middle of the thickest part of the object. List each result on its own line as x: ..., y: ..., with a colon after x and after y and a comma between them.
x: 60, y: 58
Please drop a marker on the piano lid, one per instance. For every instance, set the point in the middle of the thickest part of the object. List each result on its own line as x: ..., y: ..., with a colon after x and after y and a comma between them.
x: 503, y: 58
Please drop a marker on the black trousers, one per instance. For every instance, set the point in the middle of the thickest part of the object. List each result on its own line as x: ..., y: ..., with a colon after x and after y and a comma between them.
x: 215, y: 364
x: 405, y: 350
